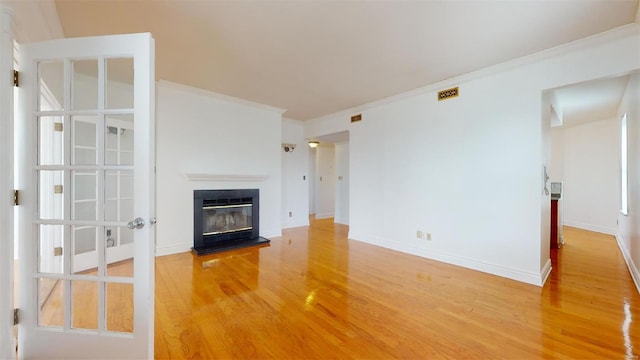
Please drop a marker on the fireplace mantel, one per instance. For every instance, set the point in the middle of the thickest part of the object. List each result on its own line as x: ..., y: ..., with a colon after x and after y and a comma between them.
x: 224, y: 177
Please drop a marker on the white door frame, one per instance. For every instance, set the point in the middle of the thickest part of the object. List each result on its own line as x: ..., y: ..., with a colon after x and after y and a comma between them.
x: 7, y: 350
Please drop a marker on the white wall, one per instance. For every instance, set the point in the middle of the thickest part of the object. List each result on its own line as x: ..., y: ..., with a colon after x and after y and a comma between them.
x: 341, y: 215
x: 469, y: 170
x: 205, y: 133
x: 586, y: 159
x: 556, y: 168
x: 295, y: 177
x: 325, y: 182
x: 629, y: 225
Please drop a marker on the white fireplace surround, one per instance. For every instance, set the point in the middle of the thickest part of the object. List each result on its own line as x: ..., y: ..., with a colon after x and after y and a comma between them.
x: 224, y: 177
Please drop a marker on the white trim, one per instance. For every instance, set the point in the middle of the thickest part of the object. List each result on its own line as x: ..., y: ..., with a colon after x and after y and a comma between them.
x: 603, y: 37
x: 224, y: 177
x: 215, y: 95
x: 590, y: 227
x: 545, y: 272
x: 174, y: 249
x: 324, y: 215
x: 633, y: 270
x: 267, y: 235
x: 7, y: 350
x: 502, y: 271
x: 287, y: 225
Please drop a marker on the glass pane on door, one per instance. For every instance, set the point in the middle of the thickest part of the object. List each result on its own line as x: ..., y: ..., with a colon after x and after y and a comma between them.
x: 119, y: 140
x: 50, y: 140
x: 84, y: 84
x: 84, y: 304
x: 119, y: 251
x: 50, y: 193
x: 85, y: 192
x: 119, y: 83
x: 84, y: 144
x: 84, y: 258
x: 119, y: 307
x: 118, y: 187
x: 51, y: 249
x: 84, y: 239
x: 50, y: 302
x: 50, y: 85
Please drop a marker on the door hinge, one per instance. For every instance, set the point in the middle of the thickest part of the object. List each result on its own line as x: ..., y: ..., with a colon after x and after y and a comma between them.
x: 16, y: 316
x: 57, y: 251
x: 16, y: 198
x: 16, y: 78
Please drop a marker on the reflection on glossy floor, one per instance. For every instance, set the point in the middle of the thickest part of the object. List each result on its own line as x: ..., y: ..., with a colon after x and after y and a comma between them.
x: 313, y: 294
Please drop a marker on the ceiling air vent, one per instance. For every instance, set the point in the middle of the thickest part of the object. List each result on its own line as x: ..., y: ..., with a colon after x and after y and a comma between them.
x: 448, y: 94
x: 356, y: 118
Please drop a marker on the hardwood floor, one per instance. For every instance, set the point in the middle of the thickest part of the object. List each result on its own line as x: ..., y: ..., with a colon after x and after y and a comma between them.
x: 313, y: 294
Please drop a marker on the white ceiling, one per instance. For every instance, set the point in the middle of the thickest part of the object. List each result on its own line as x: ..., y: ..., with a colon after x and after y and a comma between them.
x: 590, y: 101
x: 318, y: 57
x: 334, y: 138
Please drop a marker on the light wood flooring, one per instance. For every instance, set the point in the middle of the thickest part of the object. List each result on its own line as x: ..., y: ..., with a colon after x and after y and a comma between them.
x: 313, y: 294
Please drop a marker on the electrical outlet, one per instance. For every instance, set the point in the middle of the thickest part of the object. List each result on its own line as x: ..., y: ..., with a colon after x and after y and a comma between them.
x: 428, y: 236
x: 419, y: 234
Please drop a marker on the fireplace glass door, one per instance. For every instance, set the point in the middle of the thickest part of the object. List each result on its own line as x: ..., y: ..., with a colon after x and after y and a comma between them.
x: 225, y: 219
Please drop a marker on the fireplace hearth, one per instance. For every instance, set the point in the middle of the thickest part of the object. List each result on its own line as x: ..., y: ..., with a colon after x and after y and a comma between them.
x: 226, y: 220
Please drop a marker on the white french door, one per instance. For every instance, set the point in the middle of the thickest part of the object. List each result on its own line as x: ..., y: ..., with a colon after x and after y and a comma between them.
x: 86, y: 175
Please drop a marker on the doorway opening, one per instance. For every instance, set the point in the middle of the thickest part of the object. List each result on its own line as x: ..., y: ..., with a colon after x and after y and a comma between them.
x: 329, y: 175
x: 583, y: 129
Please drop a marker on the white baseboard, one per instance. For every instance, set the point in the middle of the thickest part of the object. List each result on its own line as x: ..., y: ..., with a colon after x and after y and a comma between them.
x: 537, y: 279
x: 271, y: 234
x: 324, y: 215
x: 590, y: 227
x: 294, y: 224
x: 173, y: 249
x: 633, y: 269
x: 545, y: 272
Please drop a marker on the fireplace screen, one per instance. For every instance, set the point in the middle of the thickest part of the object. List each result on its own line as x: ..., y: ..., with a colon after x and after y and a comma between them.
x: 223, y: 219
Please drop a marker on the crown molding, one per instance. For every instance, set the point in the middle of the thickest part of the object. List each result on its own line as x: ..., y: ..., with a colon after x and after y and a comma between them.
x: 207, y: 93
x: 224, y: 177
x: 603, y: 37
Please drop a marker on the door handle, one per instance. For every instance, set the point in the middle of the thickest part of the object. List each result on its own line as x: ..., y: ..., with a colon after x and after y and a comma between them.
x: 137, y: 223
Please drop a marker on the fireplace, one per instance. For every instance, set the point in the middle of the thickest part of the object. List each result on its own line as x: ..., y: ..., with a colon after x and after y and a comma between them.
x: 225, y: 220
